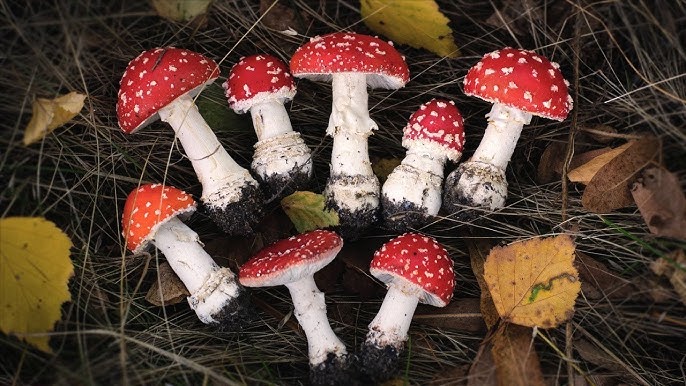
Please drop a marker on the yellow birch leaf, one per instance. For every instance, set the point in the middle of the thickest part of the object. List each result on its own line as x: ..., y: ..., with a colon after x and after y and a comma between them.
x: 534, y: 282
x: 49, y: 114
x: 307, y: 212
x: 584, y: 173
x: 417, y: 23
x: 34, y: 271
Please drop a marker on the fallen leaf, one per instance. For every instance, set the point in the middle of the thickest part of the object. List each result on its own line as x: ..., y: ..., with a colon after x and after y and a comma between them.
x: 461, y: 314
x: 550, y: 164
x: 661, y: 201
x: 584, y: 173
x: 417, y: 23
x: 168, y: 289
x: 181, y: 10
x: 609, y: 189
x: 306, y: 211
x: 49, y: 114
x: 218, y: 115
x: 673, y: 266
x: 600, y: 133
x: 602, y: 281
x: 478, y: 251
x: 534, y: 282
x: 34, y: 276
x: 516, y: 360
x: 384, y: 166
x: 279, y: 17
x: 506, y: 357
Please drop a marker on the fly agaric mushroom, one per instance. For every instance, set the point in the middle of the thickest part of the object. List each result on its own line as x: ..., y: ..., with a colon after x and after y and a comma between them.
x: 351, y: 62
x: 520, y: 84
x: 151, y: 216
x: 161, y: 83
x: 293, y: 262
x: 262, y: 84
x: 412, y: 192
x: 416, y: 269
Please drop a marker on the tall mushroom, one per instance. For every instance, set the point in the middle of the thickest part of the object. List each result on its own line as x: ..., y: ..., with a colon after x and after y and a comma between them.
x: 262, y: 84
x: 293, y: 262
x: 412, y: 192
x: 416, y: 269
x: 151, y: 217
x: 161, y: 84
x: 351, y: 62
x: 520, y: 84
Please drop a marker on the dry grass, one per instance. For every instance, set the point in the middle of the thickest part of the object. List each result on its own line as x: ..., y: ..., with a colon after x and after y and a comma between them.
x: 627, y: 64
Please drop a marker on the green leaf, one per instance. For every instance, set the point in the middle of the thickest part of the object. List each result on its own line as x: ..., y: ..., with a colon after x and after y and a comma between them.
x: 306, y: 211
x: 215, y: 109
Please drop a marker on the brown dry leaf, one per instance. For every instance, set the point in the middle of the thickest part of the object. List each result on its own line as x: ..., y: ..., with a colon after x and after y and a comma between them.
x: 478, y: 250
x: 584, y: 173
x: 534, y: 282
x: 661, y: 201
x: 515, y: 357
x: 168, y: 289
x: 609, y: 188
x: 598, y: 281
x: 600, y: 133
x: 550, y: 164
x: 482, y: 372
x: 673, y: 266
x: 461, y: 314
x: 49, y: 114
x: 280, y: 17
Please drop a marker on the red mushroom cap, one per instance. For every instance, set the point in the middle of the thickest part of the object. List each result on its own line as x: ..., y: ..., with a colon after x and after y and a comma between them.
x: 349, y: 52
x: 418, y: 263
x: 437, y: 123
x: 291, y: 259
x: 155, y: 78
x: 523, y: 80
x: 258, y: 78
x: 147, y: 208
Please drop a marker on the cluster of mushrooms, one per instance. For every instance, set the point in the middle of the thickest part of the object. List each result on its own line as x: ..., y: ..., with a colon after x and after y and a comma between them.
x: 162, y: 83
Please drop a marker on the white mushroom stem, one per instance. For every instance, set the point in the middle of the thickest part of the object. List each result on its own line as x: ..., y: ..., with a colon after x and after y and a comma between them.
x: 310, y: 310
x: 214, y: 166
x: 418, y: 178
x: 211, y: 287
x: 350, y: 125
x: 500, y: 138
x: 270, y: 119
x: 391, y: 323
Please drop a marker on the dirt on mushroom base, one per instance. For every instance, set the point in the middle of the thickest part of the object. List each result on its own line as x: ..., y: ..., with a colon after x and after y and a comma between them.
x: 239, y: 217
x: 404, y: 215
x: 282, y: 185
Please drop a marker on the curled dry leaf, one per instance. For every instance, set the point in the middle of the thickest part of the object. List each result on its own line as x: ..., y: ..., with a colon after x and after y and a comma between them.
x: 594, y: 161
x: 661, y: 201
x: 49, y: 114
x: 598, y: 281
x: 168, y: 289
x: 417, y: 23
x: 280, y: 17
x: 609, y: 188
x: 534, y: 282
x: 674, y: 268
